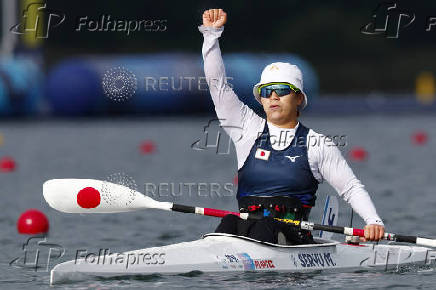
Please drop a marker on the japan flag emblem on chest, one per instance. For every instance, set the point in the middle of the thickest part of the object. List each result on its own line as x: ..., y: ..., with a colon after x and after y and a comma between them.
x: 262, y: 154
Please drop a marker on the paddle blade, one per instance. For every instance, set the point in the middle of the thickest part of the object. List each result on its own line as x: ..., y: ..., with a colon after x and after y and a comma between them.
x: 96, y: 196
x: 330, y: 215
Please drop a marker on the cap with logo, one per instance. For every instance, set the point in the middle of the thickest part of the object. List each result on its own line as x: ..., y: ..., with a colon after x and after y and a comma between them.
x: 281, y: 72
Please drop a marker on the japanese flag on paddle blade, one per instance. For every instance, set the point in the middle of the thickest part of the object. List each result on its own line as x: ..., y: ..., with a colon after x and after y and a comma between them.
x: 262, y: 154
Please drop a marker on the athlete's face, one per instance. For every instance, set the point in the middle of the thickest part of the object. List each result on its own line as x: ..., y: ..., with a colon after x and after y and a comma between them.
x: 281, y: 110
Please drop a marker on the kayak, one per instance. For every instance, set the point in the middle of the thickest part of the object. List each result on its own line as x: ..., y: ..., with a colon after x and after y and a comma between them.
x: 218, y: 252
x: 229, y: 253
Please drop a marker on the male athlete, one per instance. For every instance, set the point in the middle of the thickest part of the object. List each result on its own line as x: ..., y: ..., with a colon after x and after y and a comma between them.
x: 277, y: 176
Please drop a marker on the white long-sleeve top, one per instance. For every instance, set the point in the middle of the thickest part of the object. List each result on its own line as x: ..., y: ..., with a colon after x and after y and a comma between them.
x: 325, y: 160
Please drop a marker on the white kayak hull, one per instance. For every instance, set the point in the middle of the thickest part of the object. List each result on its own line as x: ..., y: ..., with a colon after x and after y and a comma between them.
x: 226, y: 253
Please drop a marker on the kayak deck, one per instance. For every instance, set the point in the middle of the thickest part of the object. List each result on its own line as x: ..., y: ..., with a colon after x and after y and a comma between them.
x: 224, y: 252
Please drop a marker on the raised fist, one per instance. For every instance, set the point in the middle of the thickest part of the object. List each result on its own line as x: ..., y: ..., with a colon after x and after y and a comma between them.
x: 214, y: 18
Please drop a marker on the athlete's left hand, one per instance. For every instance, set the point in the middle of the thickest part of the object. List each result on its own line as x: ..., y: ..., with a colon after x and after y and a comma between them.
x: 373, y: 233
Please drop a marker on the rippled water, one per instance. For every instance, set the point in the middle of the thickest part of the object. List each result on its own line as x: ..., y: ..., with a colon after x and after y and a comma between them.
x: 398, y: 174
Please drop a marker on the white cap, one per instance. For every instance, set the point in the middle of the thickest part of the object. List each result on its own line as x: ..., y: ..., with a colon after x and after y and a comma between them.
x: 281, y: 72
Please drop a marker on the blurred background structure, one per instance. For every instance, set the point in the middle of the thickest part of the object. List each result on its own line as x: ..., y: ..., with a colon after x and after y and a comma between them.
x: 77, y: 58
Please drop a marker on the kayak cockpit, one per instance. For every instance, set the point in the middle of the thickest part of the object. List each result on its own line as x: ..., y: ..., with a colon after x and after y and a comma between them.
x: 319, y: 242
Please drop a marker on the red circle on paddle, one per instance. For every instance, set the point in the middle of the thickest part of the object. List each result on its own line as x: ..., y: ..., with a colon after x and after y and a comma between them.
x: 88, y: 197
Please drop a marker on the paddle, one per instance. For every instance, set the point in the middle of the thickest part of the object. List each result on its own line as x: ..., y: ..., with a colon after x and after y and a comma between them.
x: 96, y: 196
x: 330, y: 215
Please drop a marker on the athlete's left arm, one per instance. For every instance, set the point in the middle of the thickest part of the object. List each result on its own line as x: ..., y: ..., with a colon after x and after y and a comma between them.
x: 328, y: 164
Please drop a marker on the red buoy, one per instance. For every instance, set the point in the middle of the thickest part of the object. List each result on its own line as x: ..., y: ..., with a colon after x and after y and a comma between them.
x: 419, y: 138
x: 88, y: 197
x: 32, y: 222
x: 147, y: 147
x: 358, y: 154
x: 7, y: 164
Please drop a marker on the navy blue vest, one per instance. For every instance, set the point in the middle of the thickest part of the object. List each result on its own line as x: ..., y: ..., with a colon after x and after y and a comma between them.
x: 284, y: 173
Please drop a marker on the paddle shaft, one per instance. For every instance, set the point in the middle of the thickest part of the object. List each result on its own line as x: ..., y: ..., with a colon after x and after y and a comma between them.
x: 96, y: 196
x: 305, y: 225
x: 206, y: 211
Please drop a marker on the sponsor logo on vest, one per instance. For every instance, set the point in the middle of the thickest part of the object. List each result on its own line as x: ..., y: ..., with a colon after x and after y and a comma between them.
x: 316, y: 260
x: 262, y: 154
x: 292, y: 158
x: 264, y: 264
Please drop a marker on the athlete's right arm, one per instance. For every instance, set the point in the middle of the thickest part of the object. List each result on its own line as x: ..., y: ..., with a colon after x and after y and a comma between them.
x: 229, y: 109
